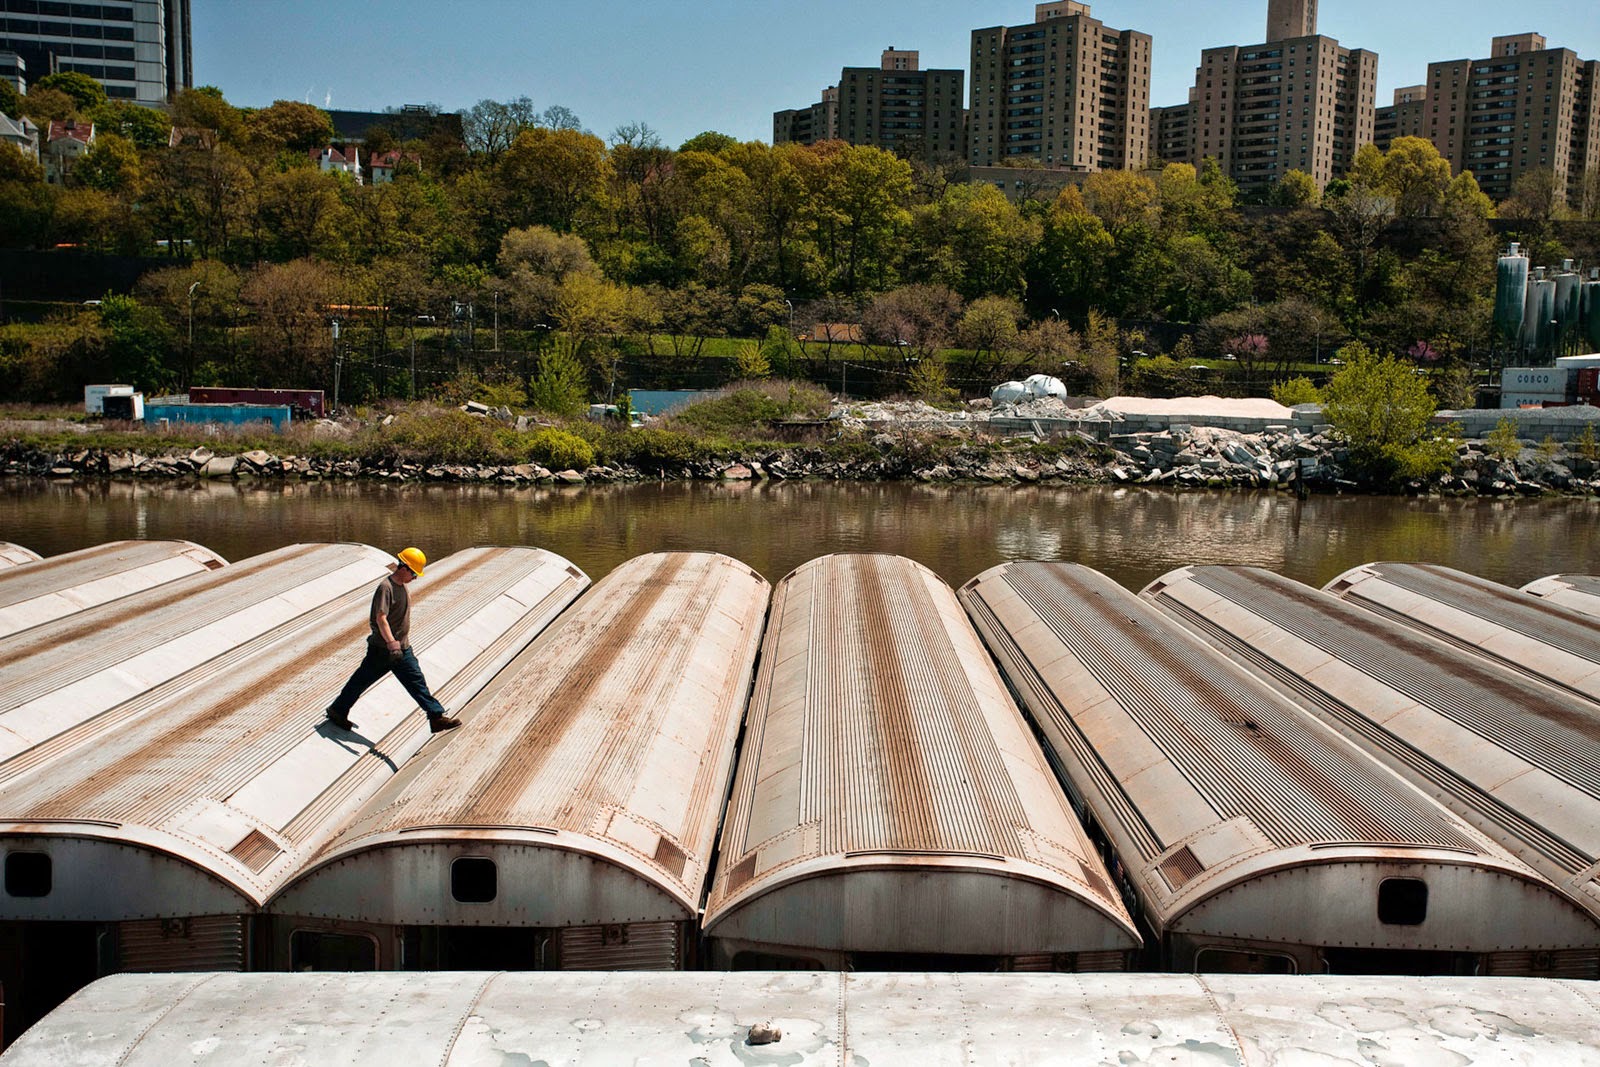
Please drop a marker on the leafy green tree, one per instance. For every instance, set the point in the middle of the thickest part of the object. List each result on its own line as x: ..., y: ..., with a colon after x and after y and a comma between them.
x: 112, y: 165
x: 1296, y: 189
x: 1415, y: 174
x: 1383, y: 411
x: 552, y: 176
x: 86, y: 93
x: 868, y: 190
x: 205, y: 108
x: 145, y: 127
x: 10, y: 100
x: 44, y: 106
x: 16, y: 167
x: 289, y: 126
x: 974, y: 240
x: 710, y: 142
x: 1292, y: 391
x: 139, y: 344
x: 560, y: 386
x: 1120, y: 198
x: 1070, y: 261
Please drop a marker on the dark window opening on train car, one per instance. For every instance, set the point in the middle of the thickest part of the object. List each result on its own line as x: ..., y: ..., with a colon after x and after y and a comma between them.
x: 44, y: 963
x: 1232, y: 961
x: 1397, y: 961
x: 28, y: 874
x: 1402, y: 901
x: 772, y: 961
x: 479, y: 948
x: 474, y: 880
x: 923, y: 961
x: 319, y: 950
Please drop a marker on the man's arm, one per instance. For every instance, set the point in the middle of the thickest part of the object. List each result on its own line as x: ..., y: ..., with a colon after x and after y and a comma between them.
x: 381, y: 602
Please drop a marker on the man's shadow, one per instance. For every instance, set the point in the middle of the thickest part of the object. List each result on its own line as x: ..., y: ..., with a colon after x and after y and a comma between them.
x: 343, y: 738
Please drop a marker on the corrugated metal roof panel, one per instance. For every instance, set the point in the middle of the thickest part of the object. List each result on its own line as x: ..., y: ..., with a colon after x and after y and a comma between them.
x: 251, y: 752
x: 881, y: 743
x: 611, y: 736
x: 1206, y: 777
x: 1539, y: 638
x: 62, y: 585
x: 65, y: 683
x: 458, y: 1018
x: 1518, y: 759
x: 1580, y: 592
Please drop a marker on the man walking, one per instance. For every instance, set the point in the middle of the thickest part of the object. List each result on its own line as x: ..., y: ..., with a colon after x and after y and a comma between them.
x: 389, y: 648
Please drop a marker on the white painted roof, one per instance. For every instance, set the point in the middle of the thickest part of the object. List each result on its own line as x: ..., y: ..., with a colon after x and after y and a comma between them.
x: 472, y: 1019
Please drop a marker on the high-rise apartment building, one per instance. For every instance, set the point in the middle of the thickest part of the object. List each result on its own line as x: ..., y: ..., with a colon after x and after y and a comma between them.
x: 1526, y: 107
x: 808, y: 125
x: 1065, y: 90
x: 1403, y: 118
x: 1297, y: 102
x: 896, y: 106
x: 137, y: 49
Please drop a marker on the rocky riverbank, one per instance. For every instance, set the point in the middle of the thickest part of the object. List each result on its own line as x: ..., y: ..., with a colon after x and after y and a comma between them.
x: 1185, y: 457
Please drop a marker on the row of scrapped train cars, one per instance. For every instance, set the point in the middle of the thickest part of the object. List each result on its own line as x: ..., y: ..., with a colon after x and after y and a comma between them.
x: 857, y: 770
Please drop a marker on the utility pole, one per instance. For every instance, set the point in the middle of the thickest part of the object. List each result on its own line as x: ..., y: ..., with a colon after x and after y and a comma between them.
x: 497, y: 320
x: 336, y: 365
x: 188, y: 367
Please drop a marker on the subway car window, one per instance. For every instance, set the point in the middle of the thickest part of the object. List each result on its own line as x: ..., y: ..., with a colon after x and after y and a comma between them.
x: 1231, y: 961
x: 28, y: 874
x: 473, y: 880
x: 1402, y: 901
x: 318, y: 950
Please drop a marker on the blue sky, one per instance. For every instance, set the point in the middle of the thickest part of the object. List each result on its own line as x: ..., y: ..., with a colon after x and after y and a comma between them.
x: 684, y: 66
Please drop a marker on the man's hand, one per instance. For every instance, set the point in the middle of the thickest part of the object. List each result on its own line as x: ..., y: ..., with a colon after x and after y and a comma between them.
x: 395, y: 655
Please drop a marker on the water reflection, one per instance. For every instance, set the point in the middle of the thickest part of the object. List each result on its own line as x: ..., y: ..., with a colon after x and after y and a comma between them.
x: 1133, y: 535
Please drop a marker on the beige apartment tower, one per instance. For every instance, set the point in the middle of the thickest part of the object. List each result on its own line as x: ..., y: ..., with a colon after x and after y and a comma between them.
x: 896, y: 106
x: 1524, y: 108
x: 1299, y: 101
x: 1406, y: 117
x: 1064, y: 91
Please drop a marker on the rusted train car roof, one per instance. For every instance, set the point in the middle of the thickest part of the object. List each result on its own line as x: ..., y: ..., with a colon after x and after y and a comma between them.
x: 1580, y: 592
x: 66, y: 682
x: 594, y: 768
x: 1517, y: 758
x: 470, y: 1018
x: 230, y: 787
x: 881, y: 744
x: 1208, y: 779
x: 1538, y: 637
x: 61, y: 585
x: 14, y: 555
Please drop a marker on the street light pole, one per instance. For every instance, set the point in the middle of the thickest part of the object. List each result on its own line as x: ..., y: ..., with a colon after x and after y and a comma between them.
x: 188, y: 369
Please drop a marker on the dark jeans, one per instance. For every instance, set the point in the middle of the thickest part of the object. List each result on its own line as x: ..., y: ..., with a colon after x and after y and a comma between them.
x: 377, y: 664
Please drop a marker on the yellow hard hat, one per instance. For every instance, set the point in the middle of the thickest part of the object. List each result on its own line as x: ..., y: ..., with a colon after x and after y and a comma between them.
x: 413, y: 560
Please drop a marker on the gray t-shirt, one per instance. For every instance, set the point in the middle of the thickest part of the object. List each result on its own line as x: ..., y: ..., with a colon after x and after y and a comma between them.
x: 391, y: 600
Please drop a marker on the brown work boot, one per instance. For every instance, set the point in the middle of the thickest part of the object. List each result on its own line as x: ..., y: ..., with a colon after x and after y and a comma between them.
x: 440, y: 723
x: 341, y: 721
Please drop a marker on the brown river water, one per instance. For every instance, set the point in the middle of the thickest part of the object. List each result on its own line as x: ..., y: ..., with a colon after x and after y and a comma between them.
x: 1132, y: 535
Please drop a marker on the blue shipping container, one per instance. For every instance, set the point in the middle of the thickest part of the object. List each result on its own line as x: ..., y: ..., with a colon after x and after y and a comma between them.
x: 223, y: 414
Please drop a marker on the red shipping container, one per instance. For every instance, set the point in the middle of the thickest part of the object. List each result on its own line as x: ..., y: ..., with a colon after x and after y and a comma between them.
x: 1589, y: 384
x: 303, y: 401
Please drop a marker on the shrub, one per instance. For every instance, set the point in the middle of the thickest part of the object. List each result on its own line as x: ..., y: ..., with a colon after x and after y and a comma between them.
x: 447, y: 436
x: 559, y: 449
x: 502, y: 395
x: 656, y: 449
x: 750, y: 407
x: 1503, y: 441
x: 930, y: 381
x: 1296, y: 391
x: 1384, y: 411
x: 560, y: 387
x: 1585, y: 444
x: 751, y: 362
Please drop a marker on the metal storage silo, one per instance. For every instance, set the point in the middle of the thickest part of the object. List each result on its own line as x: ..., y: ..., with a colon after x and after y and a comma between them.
x: 1568, y: 303
x: 1541, y: 310
x: 1511, y: 294
x: 1590, y: 308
